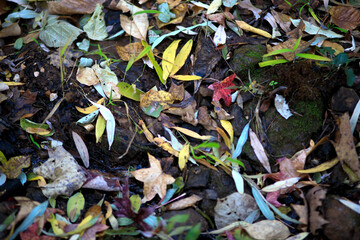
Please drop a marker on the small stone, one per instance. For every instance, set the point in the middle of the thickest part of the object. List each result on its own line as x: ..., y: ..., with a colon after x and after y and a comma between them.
x: 36, y: 74
x: 344, y: 100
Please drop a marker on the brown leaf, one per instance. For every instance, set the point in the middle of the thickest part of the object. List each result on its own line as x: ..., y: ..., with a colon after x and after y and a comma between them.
x: 303, y: 212
x: 12, y: 168
x: 268, y: 229
x: 205, y: 119
x: 129, y: 51
x: 344, y: 145
x: 314, y: 198
x: 73, y: 6
x: 154, y: 179
x: 345, y: 17
x: 184, y: 203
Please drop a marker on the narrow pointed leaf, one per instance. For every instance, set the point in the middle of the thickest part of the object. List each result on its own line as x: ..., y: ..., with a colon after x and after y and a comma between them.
x: 242, y: 140
x: 168, y: 58
x: 181, y: 57
x: 262, y: 205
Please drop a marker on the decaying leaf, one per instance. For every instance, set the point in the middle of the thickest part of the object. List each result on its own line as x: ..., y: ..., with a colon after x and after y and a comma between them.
x: 108, y: 81
x: 345, y: 17
x: 154, y: 179
x: 344, y: 145
x: 87, y: 76
x: 235, y: 207
x: 12, y: 168
x: 66, y: 175
x: 243, y: 25
x: 282, y: 107
x: 314, y: 198
x: 95, y: 28
x: 248, y: 5
x: 131, y: 50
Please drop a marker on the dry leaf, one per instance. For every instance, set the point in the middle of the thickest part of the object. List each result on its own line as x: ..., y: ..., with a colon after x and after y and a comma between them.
x: 86, y: 76
x: 155, y: 180
x: 205, y: 119
x: 82, y: 149
x: 131, y: 50
x: 243, y: 25
x: 345, y: 17
x: 66, y: 173
x: 314, y: 198
x: 259, y: 150
x: 68, y: 7
x: 11, y: 31
x: 344, y: 145
x: 248, y: 5
x: 184, y: 203
x: 138, y: 26
x: 268, y: 229
x: 12, y: 168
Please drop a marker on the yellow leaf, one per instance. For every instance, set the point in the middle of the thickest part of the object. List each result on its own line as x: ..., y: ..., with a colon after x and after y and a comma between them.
x: 91, y: 108
x: 229, y: 129
x: 56, y: 225
x: 184, y: 156
x: 214, y: 6
x: 186, y: 77
x: 322, y: 167
x: 14, y: 83
x: 181, y: 57
x: 100, y: 127
x: 38, y: 131
x: 224, y: 136
x: 243, y: 25
x: 41, y: 180
x: 192, y: 133
x: 169, y: 58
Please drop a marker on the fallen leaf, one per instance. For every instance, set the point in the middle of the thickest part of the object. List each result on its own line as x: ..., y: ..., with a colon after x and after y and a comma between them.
x: 282, y: 107
x: 184, y: 203
x: 155, y: 180
x: 248, y: 5
x: 95, y: 27
x: 234, y: 207
x: 138, y: 26
x: 268, y: 229
x: 184, y: 155
x: 82, y: 149
x: 214, y: 6
x: 131, y: 50
x: 205, y: 119
x: 101, y: 181
x: 181, y: 57
x: 221, y: 90
x: 168, y: 59
x: 345, y: 17
x: 12, y: 168
x: 243, y: 25
x: 259, y: 150
x: 68, y: 7
x: 87, y: 76
x: 74, y: 206
x: 314, y: 198
x: 344, y: 145
x: 90, y: 109
x: 108, y: 80
x: 65, y: 172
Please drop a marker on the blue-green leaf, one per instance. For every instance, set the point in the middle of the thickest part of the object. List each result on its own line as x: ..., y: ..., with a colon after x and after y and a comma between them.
x: 242, y: 140
x: 262, y: 205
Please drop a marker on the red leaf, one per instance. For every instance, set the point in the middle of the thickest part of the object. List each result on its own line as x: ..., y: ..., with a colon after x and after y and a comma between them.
x: 221, y: 89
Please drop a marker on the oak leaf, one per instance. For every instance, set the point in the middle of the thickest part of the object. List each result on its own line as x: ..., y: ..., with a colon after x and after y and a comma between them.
x: 155, y: 180
x: 221, y: 89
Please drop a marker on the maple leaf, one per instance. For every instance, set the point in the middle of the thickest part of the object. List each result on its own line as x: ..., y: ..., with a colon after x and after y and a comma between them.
x: 155, y: 181
x: 221, y: 89
x: 125, y: 209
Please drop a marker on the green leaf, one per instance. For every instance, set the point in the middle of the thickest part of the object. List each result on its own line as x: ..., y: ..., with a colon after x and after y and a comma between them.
x: 276, y: 52
x: 146, y: 11
x: 129, y: 91
x: 194, y: 233
x: 272, y: 62
x: 350, y: 76
x: 135, y: 202
x: 154, y: 62
x: 75, y: 204
x: 141, y: 55
x: 95, y: 28
x: 312, y: 57
x: 207, y: 144
x: 297, y: 43
x: 126, y: 231
x: 18, y: 43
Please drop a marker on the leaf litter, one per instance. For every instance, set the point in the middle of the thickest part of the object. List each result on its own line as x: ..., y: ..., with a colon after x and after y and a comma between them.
x: 180, y: 119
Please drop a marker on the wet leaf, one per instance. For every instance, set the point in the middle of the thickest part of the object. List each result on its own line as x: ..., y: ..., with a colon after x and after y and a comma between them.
x: 222, y: 91
x: 12, y: 168
x: 155, y: 180
x: 75, y: 204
